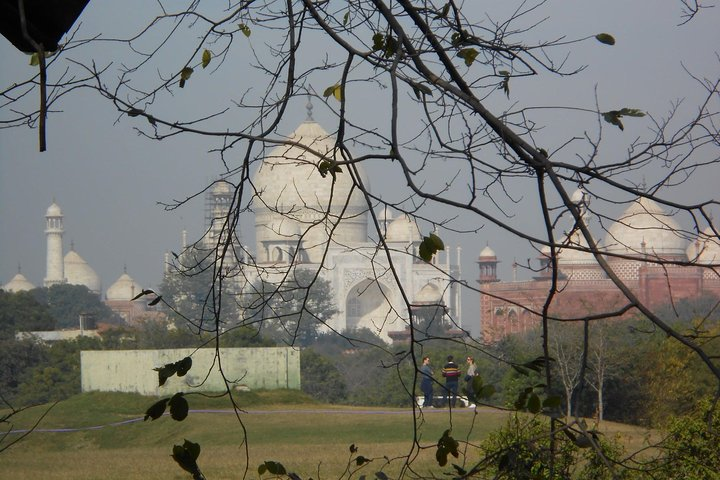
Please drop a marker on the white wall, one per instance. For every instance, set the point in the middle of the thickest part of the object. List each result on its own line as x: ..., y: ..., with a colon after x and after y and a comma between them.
x: 132, y: 370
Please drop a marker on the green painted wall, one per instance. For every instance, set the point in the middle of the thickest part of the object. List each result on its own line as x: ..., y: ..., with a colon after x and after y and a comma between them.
x: 132, y: 370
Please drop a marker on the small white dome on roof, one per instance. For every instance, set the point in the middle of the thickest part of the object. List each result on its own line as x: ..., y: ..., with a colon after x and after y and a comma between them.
x: 18, y: 284
x: 54, y: 211
x: 78, y: 272
x: 403, y: 229
x: 706, y: 249
x: 580, y: 196
x: 645, y: 228
x: 572, y: 256
x: 221, y: 187
x: 487, y: 252
x: 430, y: 293
x: 124, y: 289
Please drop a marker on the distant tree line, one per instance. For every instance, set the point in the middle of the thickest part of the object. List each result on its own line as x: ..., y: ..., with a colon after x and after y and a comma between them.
x: 634, y: 374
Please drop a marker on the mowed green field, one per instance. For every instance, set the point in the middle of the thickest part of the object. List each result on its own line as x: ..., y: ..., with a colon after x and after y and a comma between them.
x: 310, y: 439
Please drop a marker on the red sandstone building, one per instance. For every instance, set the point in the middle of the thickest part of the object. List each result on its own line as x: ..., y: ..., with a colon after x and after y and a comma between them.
x: 643, y: 235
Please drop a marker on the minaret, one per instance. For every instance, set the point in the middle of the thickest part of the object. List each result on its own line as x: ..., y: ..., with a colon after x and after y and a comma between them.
x: 54, y: 270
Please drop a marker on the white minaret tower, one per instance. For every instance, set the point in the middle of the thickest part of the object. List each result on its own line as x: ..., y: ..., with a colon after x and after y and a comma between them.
x: 54, y: 271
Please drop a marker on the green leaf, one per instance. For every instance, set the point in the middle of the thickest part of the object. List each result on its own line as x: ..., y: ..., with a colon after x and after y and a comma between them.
x: 178, y: 407
x: 206, y: 57
x: 193, y: 449
x: 391, y: 46
x: 327, y: 166
x: 34, y: 59
x: 244, y: 29
x: 613, y: 116
x: 360, y: 460
x: 156, y: 410
x: 353, y: 448
x: 456, y: 39
x: 444, y: 12
x: 346, y: 17
x: 533, y: 403
x: 505, y: 85
x: 605, y: 38
x: 447, y: 445
x: 183, y: 366
x: 381, y: 476
x: 185, y: 75
x: 378, y: 42
x: 144, y: 292
x: 335, y: 91
x: 437, y: 242
x: 631, y: 112
x: 426, y: 251
x: 274, y: 468
x: 468, y: 54
x: 155, y: 301
x: 134, y: 112
x: 520, y: 370
x: 165, y: 372
x: 186, y: 456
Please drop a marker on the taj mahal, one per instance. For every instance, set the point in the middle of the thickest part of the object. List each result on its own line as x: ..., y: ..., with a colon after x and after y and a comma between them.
x: 304, y: 219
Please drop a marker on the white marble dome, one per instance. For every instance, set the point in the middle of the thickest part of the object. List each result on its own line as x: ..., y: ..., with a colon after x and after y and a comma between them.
x: 292, y: 190
x: 18, y: 284
x: 706, y: 249
x: 124, y: 289
x: 78, y: 272
x: 403, y: 230
x: 645, y: 229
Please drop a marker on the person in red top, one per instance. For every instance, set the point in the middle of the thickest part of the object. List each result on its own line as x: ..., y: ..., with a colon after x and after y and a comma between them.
x: 452, y: 373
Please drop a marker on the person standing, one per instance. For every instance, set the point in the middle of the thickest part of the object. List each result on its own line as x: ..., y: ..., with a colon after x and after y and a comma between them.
x: 426, y: 382
x: 451, y: 372
x: 469, y: 376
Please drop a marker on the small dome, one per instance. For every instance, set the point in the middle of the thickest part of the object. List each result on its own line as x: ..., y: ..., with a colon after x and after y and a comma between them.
x: 78, y: 272
x: 430, y: 293
x: 579, y: 196
x: 487, y: 252
x: 124, y: 289
x: 54, y: 211
x: 571, y: 256
x: 221, y: 187
x: 645, y: 228
x: 403, y: 229
x: 18, y: 284
x: 706, y: 249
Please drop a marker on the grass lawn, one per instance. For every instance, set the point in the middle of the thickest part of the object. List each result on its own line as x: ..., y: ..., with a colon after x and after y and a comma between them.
x: 310, y: 439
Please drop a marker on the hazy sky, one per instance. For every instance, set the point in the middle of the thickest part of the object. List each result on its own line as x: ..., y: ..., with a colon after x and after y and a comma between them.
x: 109, y: 181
